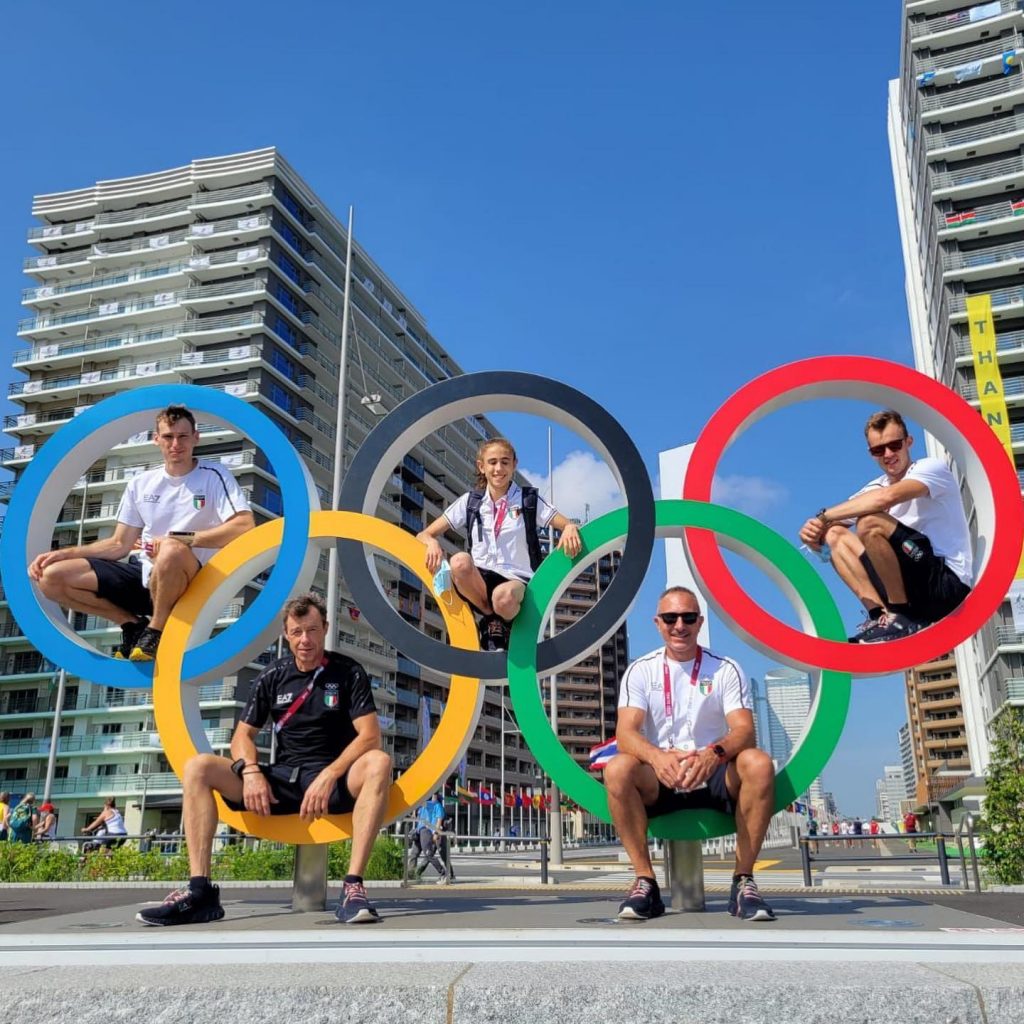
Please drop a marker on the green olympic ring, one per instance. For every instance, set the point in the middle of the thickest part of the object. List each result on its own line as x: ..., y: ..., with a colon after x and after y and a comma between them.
x: 748, y: 538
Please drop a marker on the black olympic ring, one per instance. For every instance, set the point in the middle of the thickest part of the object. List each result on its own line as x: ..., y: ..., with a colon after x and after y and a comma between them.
x: 471, y: 394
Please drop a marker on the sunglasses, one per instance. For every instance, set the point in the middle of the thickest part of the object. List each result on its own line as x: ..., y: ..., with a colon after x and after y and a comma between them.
x: 669, y: 618
x: 878, y: 450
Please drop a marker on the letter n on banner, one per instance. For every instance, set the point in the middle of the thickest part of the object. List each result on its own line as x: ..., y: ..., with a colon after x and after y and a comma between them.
x: 993, y: 408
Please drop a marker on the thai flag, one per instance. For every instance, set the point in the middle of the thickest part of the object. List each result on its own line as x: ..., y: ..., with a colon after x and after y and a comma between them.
x: 602, y: 753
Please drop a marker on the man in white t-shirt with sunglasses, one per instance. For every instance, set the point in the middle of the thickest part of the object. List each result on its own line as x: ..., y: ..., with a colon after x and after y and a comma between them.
x: 901, y: 543
x: 685, y: 738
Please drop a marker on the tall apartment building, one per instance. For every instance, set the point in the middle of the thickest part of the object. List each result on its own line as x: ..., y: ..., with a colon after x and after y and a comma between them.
x: 785, y: 710
x: 906, y: 747
x: 226, y: 273
x: 956, y: 130
x: 938, y: 739
x: 890, y: 793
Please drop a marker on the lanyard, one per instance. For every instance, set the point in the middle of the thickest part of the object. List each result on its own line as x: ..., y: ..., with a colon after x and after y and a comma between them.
x: 300, y: 700
x: 666, y: 682
x: 500, y: 508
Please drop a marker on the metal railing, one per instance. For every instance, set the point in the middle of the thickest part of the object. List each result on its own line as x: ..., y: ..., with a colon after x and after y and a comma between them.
x: 1006, y: 341
x: 968, y: 55
x: 989, y: 130
x: 820, y: 842
x: 150, y: 243
x: 983, y: 257
x: 143, y: 213
x: 224, y: 195
x: 57, y: 259
x: 976, y: 174
x: 969, y: 93
x: 1000, y: 297
x: 1011, y: 386
x: 956, y: 19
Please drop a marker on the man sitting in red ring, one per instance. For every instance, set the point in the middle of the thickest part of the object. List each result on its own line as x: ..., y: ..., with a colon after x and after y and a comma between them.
x: 909, y: 561
x: 685, y: 737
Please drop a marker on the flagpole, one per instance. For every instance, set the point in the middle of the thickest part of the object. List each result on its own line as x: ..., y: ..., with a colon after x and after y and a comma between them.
x: 555, y: 814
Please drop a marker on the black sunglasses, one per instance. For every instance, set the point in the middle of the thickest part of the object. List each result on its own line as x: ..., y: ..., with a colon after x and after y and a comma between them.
x: 669, y: 618
x: 878, y: 450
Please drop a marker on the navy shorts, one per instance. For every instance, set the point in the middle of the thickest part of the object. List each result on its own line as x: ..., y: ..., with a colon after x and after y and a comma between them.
x: 289, y: 785
x: 120, y: 583
x: 712, y: 797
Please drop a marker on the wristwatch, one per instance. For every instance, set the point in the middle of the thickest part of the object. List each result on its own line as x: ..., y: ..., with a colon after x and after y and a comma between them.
x: 821, y: 515
x: 239, y: 766
x: 186, y: 537
x: 719, y: 751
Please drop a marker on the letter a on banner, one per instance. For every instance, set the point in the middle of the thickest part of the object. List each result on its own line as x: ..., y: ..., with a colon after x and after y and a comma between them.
x: 993, y: 406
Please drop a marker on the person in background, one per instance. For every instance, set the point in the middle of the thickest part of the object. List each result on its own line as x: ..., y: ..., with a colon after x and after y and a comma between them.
x: 5, y: 809
x: 22, y: 820
x: 111, y: 821
x: 46, y: 826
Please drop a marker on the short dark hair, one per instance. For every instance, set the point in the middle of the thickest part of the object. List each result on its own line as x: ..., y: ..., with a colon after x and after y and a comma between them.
x: 878, y: 421
x: 172, y: 414
x: 298, y: 607
x: 677, y: 589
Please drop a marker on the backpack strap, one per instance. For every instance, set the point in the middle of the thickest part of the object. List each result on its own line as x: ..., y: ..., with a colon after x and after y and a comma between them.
x: 530, y: 522
x: 473, y: 513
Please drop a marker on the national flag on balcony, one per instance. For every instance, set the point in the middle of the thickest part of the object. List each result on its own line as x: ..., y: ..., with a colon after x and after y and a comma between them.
x: 486, y: 796
x: 968, y: 216
x: 1009, y: 61
x: 465, y: 794
x: 952, y: 219
x: 924, y: 78
x: 1017, y: 207
x: 602, y: 753
x: 353, y: 612
x: 510, y: 798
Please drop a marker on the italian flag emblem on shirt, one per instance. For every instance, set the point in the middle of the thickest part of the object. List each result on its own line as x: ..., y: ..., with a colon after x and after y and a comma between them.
x: 199, y: 501
x: 705, y: 686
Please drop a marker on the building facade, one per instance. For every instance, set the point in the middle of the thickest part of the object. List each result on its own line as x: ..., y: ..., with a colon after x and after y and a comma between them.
x: 906, y: 746
x: 226, y: 273
x: 956, y: 129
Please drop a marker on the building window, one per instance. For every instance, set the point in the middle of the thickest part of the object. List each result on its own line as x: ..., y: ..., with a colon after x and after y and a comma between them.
x: 17, y: 734
x: 111, y: 728
x: 286, y: 299
x: 283, y: 329
x: 288, y: 268
x: 286, y: 232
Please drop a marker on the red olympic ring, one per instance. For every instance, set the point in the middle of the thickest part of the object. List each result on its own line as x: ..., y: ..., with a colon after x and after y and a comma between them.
x: 920, y: 398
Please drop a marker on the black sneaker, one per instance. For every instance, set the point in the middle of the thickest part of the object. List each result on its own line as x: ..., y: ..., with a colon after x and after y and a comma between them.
x: 354, y: 907
x: 863, y: 627
x: 183, y: 906
x: 498, y: 633
x: 130, y: 633
x: 746, y: 901
x: 146, y: 645
x: 643, y: 901
x: 895, y: 627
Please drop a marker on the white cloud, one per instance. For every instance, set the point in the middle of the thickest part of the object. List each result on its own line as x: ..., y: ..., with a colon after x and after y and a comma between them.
x: 583, y: 486
x: 754, y: 495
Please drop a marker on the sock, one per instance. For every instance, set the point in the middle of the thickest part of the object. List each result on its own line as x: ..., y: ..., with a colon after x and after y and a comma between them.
x: 199, y: 883
x: 736, y: 877
x: 353, y: 879
x: 900, y: 609
x: 649, y: 878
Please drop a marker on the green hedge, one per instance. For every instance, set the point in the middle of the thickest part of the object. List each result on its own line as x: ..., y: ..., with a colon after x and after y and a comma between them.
x: 38, y: 862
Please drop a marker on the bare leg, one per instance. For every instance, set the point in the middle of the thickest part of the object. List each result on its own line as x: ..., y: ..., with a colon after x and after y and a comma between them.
x: 205, y: 773
x: 507, y: 599
x: 73, y: 585
x: 751, y: 781
x: 368, y: 781
x: 631, y: 785
x: 846, y: 551
x: 467, y: 578
x: 875, y: 532
x: 172, y: 572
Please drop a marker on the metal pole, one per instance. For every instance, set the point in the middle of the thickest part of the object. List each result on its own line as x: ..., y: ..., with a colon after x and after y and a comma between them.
x: 339, y: 447
x: 974, y: 853
x: 310, y: 887
x: 142, y: 804
x: 940, y: 848
x: 684, y: 866
x: 62, y: 678
x: 501, y: 810
x: 555, y: 829
x: 805, y: 860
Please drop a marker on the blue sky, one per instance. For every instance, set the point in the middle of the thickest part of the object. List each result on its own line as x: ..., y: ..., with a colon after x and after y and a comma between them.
x: 653, y: 202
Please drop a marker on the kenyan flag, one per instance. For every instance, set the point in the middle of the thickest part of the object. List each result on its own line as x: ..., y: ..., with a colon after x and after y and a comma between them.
x: 968, y: 217
x: 952, y: 219
x: 1017, y: 207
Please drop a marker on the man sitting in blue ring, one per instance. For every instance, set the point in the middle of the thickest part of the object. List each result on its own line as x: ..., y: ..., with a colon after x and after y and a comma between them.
x: 177, y: 516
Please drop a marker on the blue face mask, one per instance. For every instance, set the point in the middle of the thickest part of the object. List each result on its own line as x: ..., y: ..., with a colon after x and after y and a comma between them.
x: 443, y: 579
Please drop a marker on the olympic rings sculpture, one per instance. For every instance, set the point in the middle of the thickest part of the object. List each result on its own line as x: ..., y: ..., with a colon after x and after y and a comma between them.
x: 289, y: 548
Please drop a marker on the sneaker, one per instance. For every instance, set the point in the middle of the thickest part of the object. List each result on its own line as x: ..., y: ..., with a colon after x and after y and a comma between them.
x: 183, y: 906
x: 146, y: 645
x: 746, y: 901
x: 895, y: 627
x: 643, y: 901
x: 354, y: 907
x: 442, y: 880
x: 863, y: 627
x: 130, y: 633
x: 498, y: 633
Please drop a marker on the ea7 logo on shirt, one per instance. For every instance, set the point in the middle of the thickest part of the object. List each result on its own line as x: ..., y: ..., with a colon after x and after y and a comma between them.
x: 331, y: 695
x: 198, y: 501
x: 151, y: 497
x: 284, y: 698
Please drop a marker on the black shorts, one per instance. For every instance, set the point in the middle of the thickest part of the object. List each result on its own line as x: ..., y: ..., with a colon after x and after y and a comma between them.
x: 289, y: 785
x: 120, y: 583
x: 714, y: 797
x: 492, y: 580
x: 933, y: 589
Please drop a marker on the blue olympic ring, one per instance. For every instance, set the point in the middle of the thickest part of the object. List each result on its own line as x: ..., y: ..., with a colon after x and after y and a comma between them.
x: 51, y: 475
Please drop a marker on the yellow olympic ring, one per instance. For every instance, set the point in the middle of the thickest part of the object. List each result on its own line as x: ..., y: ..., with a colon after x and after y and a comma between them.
x: 442, y: 753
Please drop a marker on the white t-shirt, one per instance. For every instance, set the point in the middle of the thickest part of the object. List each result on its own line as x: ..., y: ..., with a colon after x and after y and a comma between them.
x: 698, y: 709
x: 159, y: 503
x: 507, y: 554
x: 939, y: 515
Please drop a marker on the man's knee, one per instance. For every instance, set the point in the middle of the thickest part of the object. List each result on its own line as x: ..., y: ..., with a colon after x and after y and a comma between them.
x: 461, y: 564
x: 376, y: 766
x: 60, y: 577
x: 620, y: 773
x: 174, y: 556
x: 874, y: 527
x: 203, y: 770
x: 507, y: 599
x: 755, y: 767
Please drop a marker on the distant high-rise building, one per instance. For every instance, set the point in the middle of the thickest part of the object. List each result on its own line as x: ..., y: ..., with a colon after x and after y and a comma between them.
x: 907, y: 760
x: 890, y: 792
x: 785, y: 712
x: 956, y: 130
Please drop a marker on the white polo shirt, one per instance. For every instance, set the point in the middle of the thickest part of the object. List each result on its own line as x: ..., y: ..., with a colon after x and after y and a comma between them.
x: 698, y: 708
x: 939, y: 515
x: 507, y: 554
x: 158, y: 503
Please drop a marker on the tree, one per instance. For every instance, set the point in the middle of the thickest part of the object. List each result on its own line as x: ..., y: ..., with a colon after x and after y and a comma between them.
x: 1004, y: 803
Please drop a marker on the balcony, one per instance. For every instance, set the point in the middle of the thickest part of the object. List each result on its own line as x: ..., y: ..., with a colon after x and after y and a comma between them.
x: 127, y: 222
x: 237, y: 200
x: 964, y: 101
x: 100, y: 743
x: 237, y: 228
x: 108, y: 785
x: 61, y: 265
x: 1012, y: 387
x: 1000, y: 217
x: 946, y: 65
x: 979, y: 179
x: 952, y: 27
x: 130, y: 250
x: 994, y: 136
x: 50, y: 295
x: 1004, y: 300
x: 999, y: 260
x: 1007, y: 636
x: 56, y: 236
